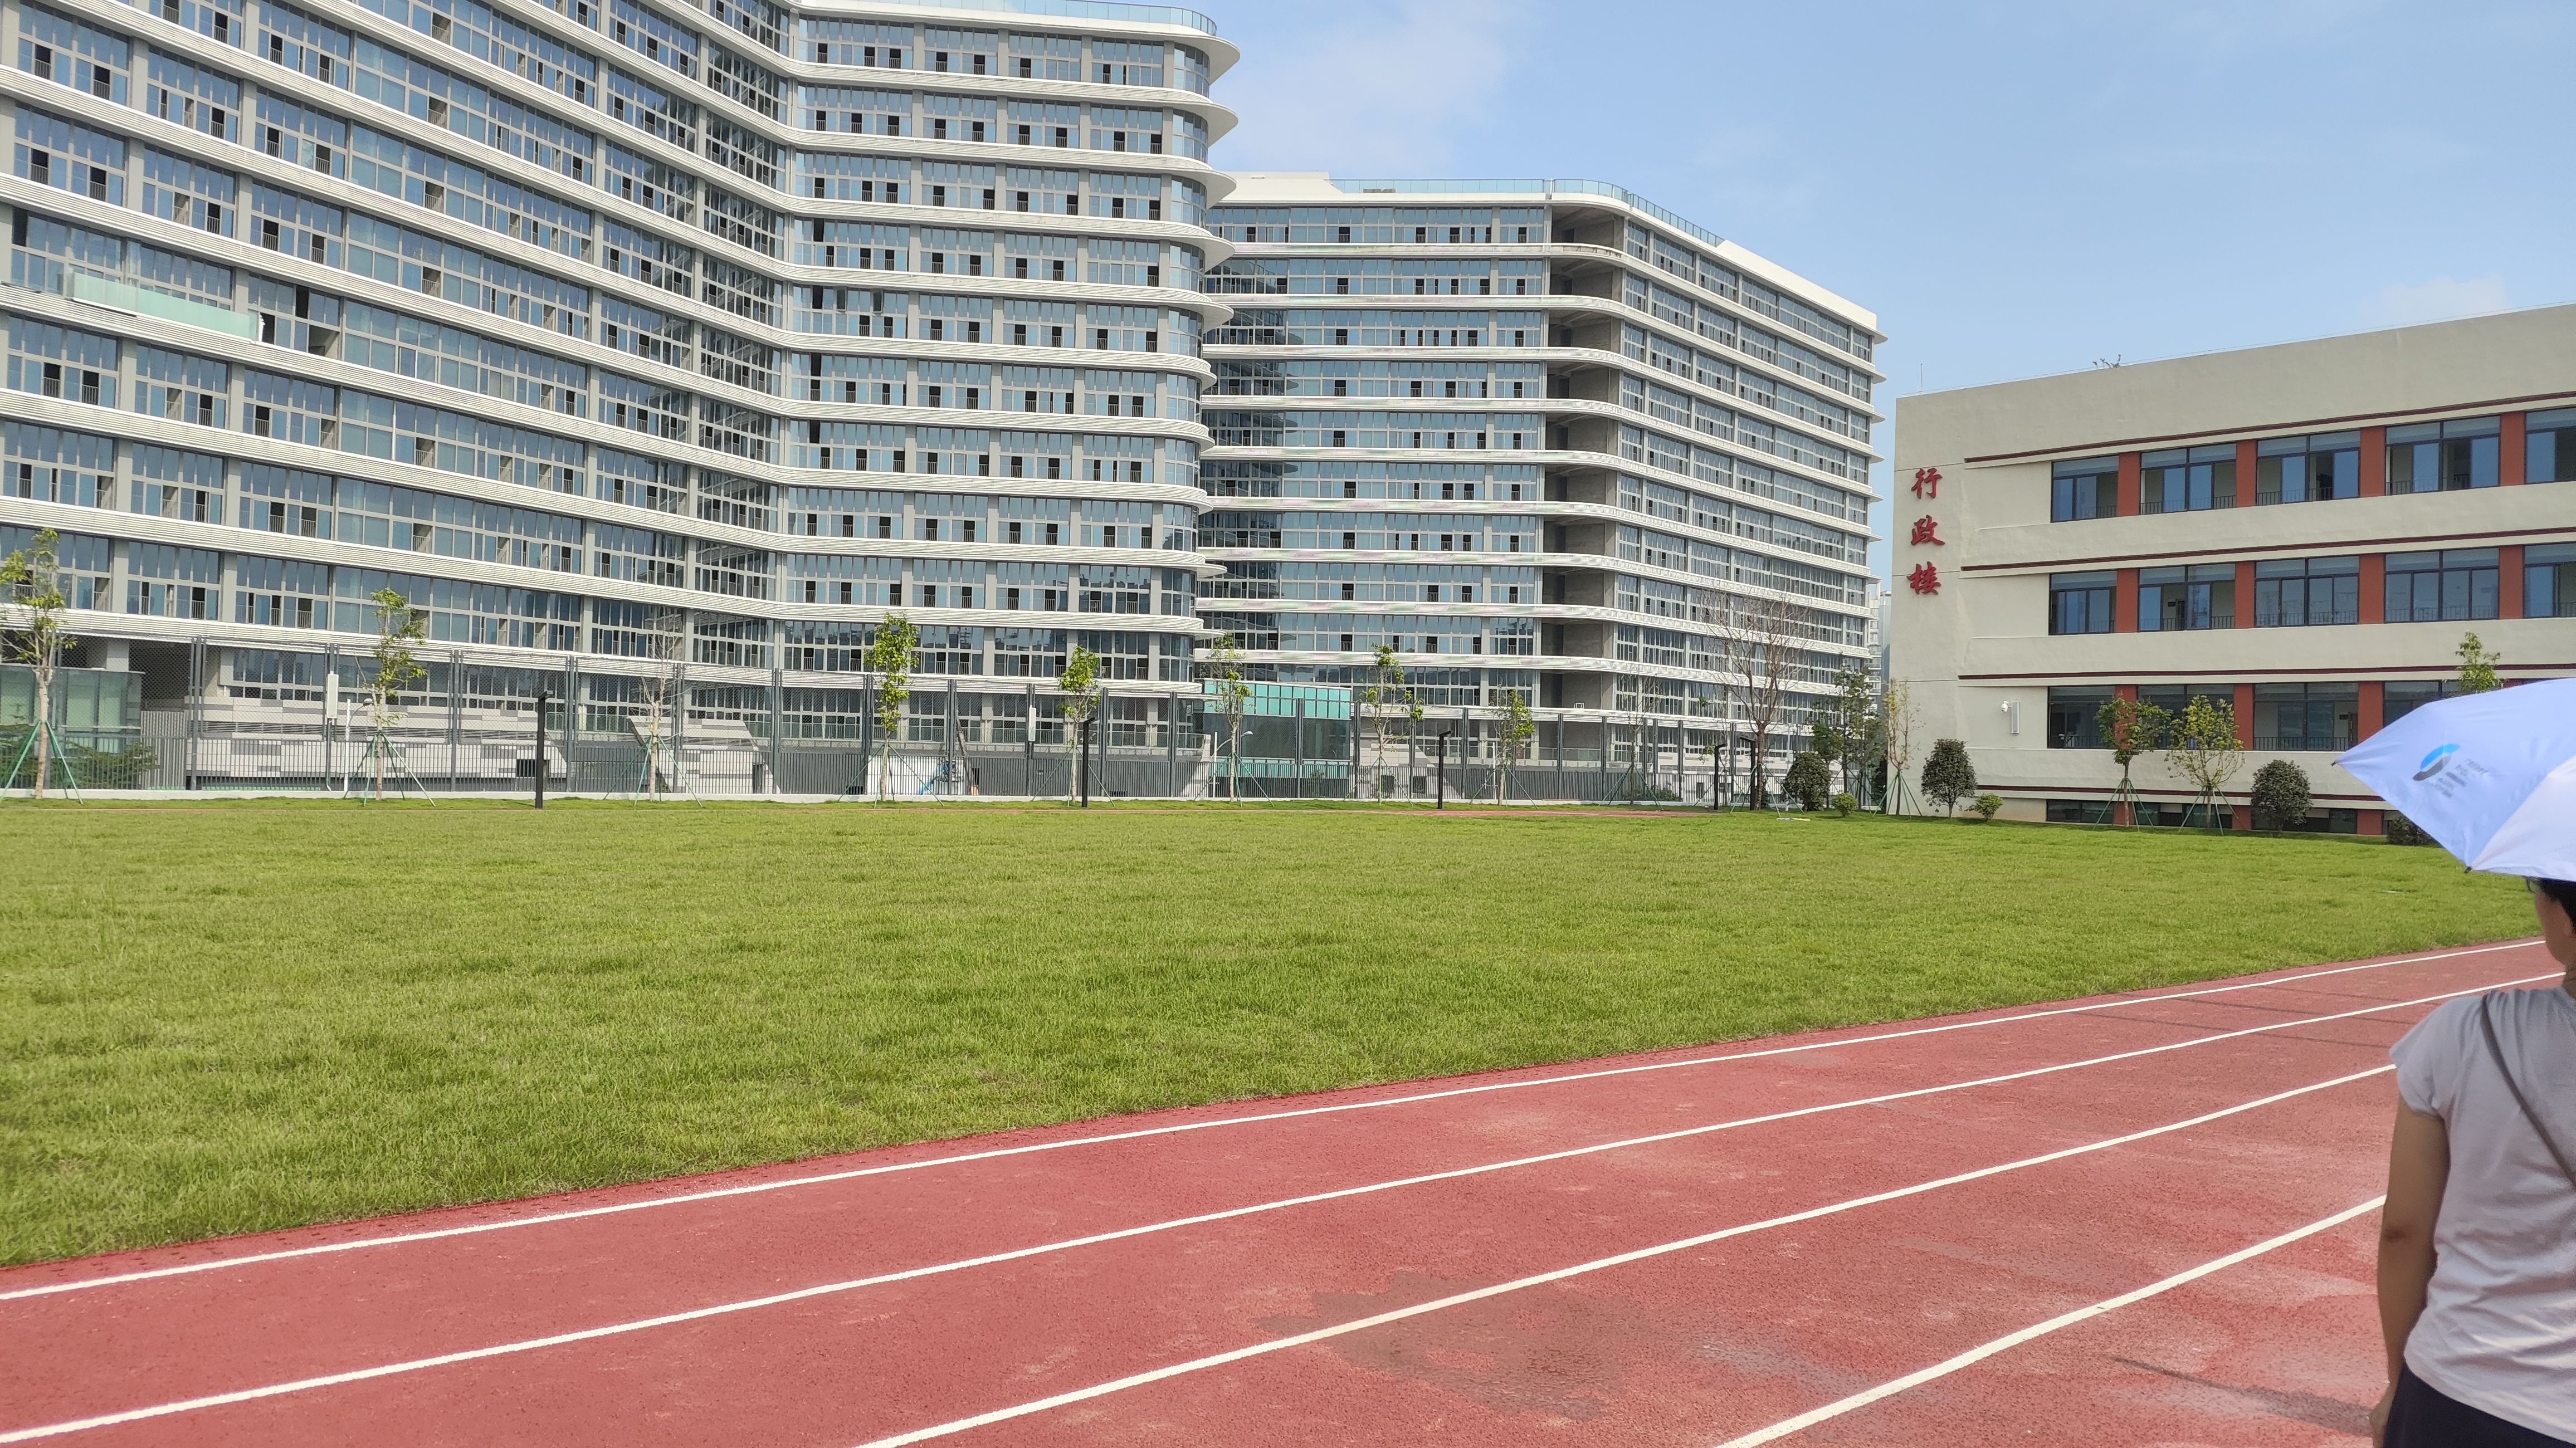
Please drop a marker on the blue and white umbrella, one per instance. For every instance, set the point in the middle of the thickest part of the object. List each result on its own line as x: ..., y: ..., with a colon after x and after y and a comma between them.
x: 2492, y: 776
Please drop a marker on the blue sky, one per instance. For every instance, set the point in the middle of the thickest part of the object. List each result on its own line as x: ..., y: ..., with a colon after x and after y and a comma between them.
x: 2015, y: 189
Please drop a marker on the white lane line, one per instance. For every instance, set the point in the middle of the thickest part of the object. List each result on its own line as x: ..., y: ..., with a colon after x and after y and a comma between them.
x: 822, y: 1178
x: 723, y: 1309
x: 1947, y: 1366
x: 1098, y: 1390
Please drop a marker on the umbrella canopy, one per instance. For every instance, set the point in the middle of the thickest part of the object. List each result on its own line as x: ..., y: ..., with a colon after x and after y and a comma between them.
x: 2492, y: 776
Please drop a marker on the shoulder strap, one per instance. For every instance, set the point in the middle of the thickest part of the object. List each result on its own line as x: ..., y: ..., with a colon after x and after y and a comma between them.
x: 2486, y: 1024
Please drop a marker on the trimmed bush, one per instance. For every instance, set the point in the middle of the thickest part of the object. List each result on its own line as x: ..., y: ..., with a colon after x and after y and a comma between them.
x: 1844, y: 804
x: 1987, y: 806
x: 2402, y: 831
x: 2280, y: 796
x: 1948, y: 777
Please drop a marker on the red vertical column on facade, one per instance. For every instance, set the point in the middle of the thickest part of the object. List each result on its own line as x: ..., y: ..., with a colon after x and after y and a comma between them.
x: 2509, y: 581
x: 2245, y: 592
x: 2374, y: 461
x: 2510, y: 464
x: 2372, y: 713
x: 2130, y: 507
x: 2125, y: 691
x: 2374, y: 584
x: 2245, y: 487
x: 2242, y: 816
x: 2124, y: 602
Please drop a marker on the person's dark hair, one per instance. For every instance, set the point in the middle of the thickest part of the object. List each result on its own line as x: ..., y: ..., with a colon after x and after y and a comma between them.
x: 2562, y: 891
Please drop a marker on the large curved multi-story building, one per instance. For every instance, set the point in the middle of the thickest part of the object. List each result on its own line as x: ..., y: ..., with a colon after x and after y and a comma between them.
x: 1541, y: 438
x: 621, y: 337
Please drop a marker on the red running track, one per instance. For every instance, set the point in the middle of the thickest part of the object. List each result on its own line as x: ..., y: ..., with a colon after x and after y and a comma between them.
x: 1896, y: 1234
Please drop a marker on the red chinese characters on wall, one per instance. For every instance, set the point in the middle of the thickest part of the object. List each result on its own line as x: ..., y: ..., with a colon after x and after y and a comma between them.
x: 1927, y: 530
x: 1924, y: 579
x: 1927, y: 482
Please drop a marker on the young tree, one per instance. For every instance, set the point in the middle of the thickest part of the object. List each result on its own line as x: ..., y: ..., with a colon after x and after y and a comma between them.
x: 34, y: 580
x: 1807, y: 781
x: 1511, y: 739
x: 659, y: 693
x: 2203, y: 751
x: 1080, y: 682
x: 1853, y: 725
x: 2131, y: 729
x: 2477, y: 666
x: 1224, y: 668
x: 890, y: 657
x: 1948, y: 776
x: 2280, y: 796
x: 1758, y: 640
x: 1385, y: 691
x: 1897, y: 715
x: 399, y: 626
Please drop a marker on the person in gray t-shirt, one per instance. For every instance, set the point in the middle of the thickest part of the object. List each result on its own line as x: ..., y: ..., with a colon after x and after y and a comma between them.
x: 2477, y: 1242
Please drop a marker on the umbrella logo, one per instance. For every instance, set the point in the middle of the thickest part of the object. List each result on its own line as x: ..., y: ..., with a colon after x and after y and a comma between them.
x: 2432, y: 764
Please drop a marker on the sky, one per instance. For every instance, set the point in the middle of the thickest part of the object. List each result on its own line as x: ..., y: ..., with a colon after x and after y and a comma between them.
x: 2015, y: 189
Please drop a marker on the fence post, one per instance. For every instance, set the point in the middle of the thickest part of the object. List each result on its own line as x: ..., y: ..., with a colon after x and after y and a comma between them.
x: 1297, y: 727
x: 196, y: 704
x: 777, y: 724
x: 1029, y: 744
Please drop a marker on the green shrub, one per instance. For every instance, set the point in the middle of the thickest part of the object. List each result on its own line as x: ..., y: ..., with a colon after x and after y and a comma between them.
x: 1807, y: 783
x: 2280, y: 796
x: 1844, y: 804
x: 1988, y: 805
x: 1948, y: 777
x: 2402, y: 831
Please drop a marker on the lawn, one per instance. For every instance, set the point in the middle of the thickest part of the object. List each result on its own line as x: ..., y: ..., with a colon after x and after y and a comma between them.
x: 238, y: 1016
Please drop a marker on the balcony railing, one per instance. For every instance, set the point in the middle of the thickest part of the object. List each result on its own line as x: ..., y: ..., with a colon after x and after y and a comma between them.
x: 2307, y: 618
x: 2313, y: 741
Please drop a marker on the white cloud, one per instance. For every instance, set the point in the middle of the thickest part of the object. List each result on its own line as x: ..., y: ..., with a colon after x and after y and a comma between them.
x: 1380, y: 89
x: 2437, y: 300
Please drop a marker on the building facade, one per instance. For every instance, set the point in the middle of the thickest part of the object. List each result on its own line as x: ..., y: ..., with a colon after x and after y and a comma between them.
x: 1539, y: 439
x: 652, y: 351
x: 2304, y: 532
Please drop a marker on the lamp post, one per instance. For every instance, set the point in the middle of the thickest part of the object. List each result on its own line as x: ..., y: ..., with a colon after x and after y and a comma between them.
x: 1441, y: 800
x: 541, y: 749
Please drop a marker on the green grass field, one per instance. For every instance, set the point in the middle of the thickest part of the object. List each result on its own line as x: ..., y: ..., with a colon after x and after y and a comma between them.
x: 222, y: 1018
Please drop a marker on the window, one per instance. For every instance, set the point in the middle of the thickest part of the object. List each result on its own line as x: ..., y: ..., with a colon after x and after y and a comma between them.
x: 69, y: 53
x: 2188, y: 479
x: 2306, y: 716
x: 2080, y: 603
x: 2549, y: 580
x: 2307, y: 469
x: 61, y: 362
x: 2549, y: 446
x: 54, y: 152
x: 2456, y: 583
x: 2201, y: 596
x: 2291, y: 592
x: 2443, y: 457
x: 2402, y: 697
x: 2085, y: 488
x: 2075, y: 717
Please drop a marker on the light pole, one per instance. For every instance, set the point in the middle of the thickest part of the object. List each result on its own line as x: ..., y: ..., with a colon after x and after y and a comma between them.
x: 541, y: 749
x: 1441, y: 800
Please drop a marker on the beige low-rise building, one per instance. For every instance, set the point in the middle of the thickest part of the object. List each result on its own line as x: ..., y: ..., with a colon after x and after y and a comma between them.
x: 2306, y: 532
